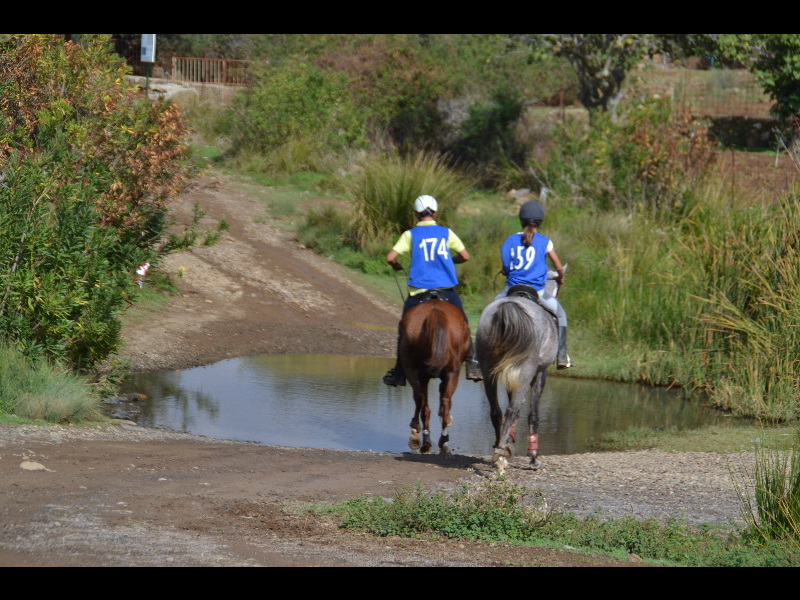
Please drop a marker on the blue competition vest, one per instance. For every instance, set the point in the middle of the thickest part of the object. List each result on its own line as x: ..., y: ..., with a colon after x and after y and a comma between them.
x: 431, y: 263
x: 525, y: 264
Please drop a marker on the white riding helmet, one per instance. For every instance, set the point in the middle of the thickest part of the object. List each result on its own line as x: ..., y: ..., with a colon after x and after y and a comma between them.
x: 424, y: 203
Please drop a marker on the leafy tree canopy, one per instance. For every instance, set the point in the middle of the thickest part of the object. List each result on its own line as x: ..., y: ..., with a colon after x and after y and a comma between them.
x: 601, y: 60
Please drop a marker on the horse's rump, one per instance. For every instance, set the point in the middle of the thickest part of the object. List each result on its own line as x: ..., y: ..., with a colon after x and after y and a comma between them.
x: 435, y: 336
x: 509, y: 342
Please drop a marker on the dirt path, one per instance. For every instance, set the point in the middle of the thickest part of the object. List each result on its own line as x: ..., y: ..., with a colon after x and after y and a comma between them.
x: 257, y: 291
x: 128, y: 496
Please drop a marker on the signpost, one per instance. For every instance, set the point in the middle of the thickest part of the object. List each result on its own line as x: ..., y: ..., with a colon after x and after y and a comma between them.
x: 148, y: 55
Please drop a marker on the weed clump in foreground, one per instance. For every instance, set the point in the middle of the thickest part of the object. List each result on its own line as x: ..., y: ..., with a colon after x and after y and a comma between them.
x: 491, y: 511
x: 38, y: 390
x: 499, y: 510
x: 769, y: 493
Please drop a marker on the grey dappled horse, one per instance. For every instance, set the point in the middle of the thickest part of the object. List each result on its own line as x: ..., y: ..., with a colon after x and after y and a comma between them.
x: 517, y: 339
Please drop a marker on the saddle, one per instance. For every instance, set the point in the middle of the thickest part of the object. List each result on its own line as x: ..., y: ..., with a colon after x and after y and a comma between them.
x: 433, y: 294
x: 524, y: 291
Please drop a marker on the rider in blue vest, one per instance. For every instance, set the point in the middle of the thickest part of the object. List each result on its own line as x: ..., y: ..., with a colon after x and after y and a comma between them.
x: 524, y: 257
x: 432, y: 268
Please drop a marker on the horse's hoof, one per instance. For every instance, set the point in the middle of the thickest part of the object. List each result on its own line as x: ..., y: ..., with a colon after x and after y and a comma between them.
x: 445, y: 450
x: 414, y: 441
x: 507, y: 451
x: 426, y: 449
x: 500, y: 463
x: 536, y: 462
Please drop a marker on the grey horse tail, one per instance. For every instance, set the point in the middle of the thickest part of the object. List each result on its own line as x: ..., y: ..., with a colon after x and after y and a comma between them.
x: 511, y: 341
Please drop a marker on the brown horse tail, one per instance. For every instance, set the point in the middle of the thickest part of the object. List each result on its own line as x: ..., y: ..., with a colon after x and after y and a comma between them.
x: 436, y: 332
x: 511, y: 340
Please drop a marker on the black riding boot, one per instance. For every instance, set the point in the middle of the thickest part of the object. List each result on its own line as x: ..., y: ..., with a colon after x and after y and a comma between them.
x: 563, y: 361
x: 396, y: 376
x: 471, y: 363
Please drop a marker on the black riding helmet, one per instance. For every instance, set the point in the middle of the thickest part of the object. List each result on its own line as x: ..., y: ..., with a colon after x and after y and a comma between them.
x: 530, y: 212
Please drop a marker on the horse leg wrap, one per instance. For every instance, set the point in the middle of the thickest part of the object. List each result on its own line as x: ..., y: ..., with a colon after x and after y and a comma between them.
x: 533, y: 444
x: 444, y: 443
x: 426, y: 441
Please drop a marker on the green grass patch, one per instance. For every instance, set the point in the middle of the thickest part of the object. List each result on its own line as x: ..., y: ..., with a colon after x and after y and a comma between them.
x: 38, y: 390
x: 499, y: 511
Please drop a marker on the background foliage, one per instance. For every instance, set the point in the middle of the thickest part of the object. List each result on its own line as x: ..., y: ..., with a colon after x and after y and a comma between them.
x: 88, y: 165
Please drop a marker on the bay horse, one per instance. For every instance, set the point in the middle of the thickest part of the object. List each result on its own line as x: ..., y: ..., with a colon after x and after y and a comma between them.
x: 517, y: 339
x: 434, y: 340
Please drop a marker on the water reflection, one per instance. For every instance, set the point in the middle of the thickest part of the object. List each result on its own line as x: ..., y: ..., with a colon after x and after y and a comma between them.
x: 332, y: 401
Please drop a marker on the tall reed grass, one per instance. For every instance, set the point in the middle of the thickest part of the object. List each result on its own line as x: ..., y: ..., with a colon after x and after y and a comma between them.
x: 769, y: 492
x: 39, y: 390
x: 385, y: 186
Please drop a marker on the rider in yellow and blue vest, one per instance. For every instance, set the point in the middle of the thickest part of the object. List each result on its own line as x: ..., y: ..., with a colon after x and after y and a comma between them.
x: 432, y: 268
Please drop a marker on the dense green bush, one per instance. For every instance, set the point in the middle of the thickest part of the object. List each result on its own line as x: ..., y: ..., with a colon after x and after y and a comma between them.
x: 488, y: 134
x: 87, y: 164
x: 333, y: 92
x: 393, y: 85
x: 297, y: 101
x: 648, y: 158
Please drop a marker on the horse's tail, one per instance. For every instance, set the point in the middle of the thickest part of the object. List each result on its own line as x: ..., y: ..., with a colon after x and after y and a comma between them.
x: 510, y: 340
x: 435, y: 330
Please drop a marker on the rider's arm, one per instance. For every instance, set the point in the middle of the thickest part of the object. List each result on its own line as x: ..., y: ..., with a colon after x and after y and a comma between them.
x: 558, y: 266
x: 403, y: 246
x: 391, y: 258
x: 455, y: 244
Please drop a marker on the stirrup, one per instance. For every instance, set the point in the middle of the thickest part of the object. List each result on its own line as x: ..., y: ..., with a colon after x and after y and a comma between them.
x: 473, y: 370
x: 566, y: 364
x: 394, y: 379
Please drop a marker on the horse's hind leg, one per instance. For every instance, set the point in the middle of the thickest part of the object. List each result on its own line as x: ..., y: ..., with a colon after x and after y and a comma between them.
x: 533, y: 421
x: 495, y: 414
x: 414, y: 440
x: 503, y: 450
x: 446, y: 390
x: 422, y: 410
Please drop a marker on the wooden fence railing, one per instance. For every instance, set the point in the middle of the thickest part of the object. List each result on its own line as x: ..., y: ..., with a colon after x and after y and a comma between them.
x: 217, y: 71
